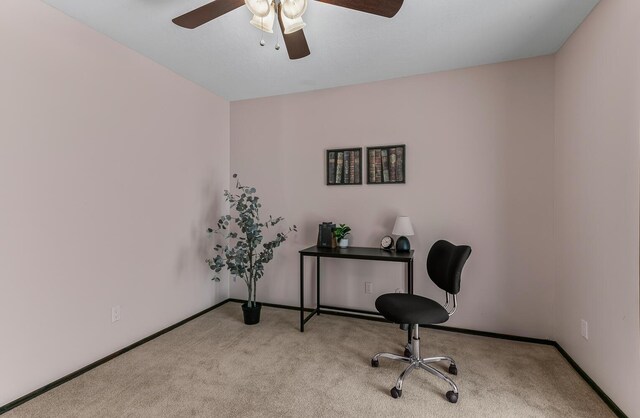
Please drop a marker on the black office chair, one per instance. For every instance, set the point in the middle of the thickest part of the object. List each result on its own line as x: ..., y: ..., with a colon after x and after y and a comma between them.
x: 444, y: 266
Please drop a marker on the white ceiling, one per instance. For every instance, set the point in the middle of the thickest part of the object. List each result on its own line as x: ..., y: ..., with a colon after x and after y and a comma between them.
x: 347, y: 47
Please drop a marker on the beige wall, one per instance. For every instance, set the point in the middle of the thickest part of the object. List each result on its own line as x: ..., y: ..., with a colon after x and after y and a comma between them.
x: 597, y: 198
x: 111, y: 167
x: 479, y: 171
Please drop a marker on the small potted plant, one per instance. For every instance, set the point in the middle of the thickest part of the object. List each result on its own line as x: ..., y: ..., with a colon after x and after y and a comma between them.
x: 246, y: 251
x: 341, y: 233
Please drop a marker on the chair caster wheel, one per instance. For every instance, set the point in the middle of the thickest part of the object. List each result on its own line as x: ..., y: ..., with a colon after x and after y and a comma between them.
x: 395, y: 393
x: 407, y: 352
x: 375, y: 363
x: 451, y: 396
x: 453, y: 369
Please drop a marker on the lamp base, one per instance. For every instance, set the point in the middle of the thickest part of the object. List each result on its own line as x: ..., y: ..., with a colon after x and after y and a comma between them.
x: 403, y: 245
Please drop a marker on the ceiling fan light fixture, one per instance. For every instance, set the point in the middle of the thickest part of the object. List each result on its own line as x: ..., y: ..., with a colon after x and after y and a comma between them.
x: 259, y: 8
x: 265, y: 23
x: 294, y: 9
x: 291, y: 25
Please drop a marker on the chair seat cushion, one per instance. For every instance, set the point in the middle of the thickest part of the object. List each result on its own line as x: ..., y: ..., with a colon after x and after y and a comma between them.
x: 402, y: 308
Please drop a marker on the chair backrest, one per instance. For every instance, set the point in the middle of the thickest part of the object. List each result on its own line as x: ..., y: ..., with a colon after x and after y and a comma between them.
x: 444, y: 265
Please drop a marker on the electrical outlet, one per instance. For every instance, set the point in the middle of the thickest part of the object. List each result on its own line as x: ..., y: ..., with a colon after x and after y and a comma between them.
x: 584, y: 329
x: 115, y: 313
x: 368, y: 287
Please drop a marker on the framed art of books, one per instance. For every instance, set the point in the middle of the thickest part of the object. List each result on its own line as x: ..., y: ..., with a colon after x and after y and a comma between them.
x: 386, y: 165
x: 344, y: 166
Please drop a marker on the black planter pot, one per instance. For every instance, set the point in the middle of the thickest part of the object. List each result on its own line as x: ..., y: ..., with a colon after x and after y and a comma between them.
x: 251, y: 315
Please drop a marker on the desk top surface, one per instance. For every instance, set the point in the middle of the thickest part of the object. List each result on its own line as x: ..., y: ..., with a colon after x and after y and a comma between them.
x: 359, y: 253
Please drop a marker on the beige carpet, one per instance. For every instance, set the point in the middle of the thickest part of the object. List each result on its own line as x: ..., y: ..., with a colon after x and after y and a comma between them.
x: 215, y: 366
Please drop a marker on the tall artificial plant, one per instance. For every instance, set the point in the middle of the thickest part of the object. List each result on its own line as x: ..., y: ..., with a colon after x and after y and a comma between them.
x: 245, y: 252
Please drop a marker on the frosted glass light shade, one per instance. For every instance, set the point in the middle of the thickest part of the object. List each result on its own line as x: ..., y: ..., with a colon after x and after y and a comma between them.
x: 293, y: 9
x: 259, y: 8
x: 402, y: 226
x: 265, y: 24
x: 292, y: 25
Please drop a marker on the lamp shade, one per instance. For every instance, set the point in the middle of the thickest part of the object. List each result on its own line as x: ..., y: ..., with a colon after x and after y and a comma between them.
x: 259, y: 8
x: 402, y: 226
x: 293, y: 9
x: 265, y: 23
x: 291, y: 25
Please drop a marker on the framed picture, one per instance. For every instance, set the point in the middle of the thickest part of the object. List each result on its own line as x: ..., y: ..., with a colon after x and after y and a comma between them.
x: 344, y: 166
x: 386, y: 165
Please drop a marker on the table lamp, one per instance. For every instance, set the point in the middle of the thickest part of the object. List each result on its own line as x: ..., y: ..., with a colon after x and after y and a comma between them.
x: 403, y: 227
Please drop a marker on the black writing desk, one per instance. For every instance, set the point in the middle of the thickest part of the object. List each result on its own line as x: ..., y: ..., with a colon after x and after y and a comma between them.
x: 353, y: 253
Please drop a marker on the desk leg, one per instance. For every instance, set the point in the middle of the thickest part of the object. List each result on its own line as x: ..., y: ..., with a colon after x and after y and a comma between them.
x: 409, y: 291
x: 301, y: 293
x: 410, y: 278
x: 318, y: 284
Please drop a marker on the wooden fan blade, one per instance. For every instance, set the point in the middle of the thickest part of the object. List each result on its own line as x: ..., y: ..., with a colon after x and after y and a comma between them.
x: 296, y: 42
x: 207, y: 13
x: 386, y: 8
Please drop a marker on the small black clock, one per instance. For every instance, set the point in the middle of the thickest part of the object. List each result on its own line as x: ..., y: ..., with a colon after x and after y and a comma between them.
x: 386, y: 243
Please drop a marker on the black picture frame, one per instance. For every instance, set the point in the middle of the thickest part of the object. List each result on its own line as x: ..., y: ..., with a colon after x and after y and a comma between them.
x: 353, y: 171
x: 380, y: 157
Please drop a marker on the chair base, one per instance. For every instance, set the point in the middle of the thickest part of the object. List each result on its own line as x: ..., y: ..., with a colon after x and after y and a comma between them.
x: 416, y: 362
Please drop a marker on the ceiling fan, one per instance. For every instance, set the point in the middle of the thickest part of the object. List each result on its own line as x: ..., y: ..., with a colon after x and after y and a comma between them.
x: 289, y: 14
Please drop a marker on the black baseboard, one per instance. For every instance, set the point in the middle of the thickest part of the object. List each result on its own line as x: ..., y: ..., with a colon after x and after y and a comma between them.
x: 272, y: 305
x: 329, y: 310
x: 375, y: 316
x: 493, y: 335
x: 612, y: 405
x: 73, y: 375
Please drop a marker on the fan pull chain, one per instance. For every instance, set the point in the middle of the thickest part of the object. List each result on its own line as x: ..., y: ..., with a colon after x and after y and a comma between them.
x: 276, y: 6
x: 262, y: 42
